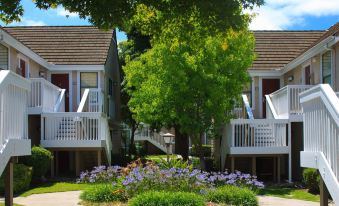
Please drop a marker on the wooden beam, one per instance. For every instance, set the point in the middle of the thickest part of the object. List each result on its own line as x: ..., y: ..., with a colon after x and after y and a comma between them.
x: 274, y: 169
x: 77, y: 163
x: 52, y: 165
x: 232, y: 164
x: 99, y: 157
x: 9, y: 183
x: 323, y: 193
x: 57, y: 163
x: 254, y: 165
x: 278, y: 168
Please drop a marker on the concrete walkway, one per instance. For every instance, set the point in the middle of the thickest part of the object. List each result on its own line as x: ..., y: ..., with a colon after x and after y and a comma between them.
x: 72, y: 199
x: 277, y: 201
x: 50, y: 199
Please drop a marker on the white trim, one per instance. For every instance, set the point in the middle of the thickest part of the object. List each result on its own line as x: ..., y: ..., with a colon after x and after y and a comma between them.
x: 266, y: 73
x: 70, y: 92
x: 79, y: 83
x: 318, y: 48
x: 77, y: 67
x: 10, y: 40
x: 252, y: 96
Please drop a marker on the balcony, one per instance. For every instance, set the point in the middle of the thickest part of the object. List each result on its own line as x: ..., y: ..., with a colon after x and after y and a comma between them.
x: 285, y: 103
x: 45, y: 97
x: 258, y: 136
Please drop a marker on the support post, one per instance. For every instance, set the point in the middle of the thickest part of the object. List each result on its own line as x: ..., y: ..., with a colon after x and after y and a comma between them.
x: 99, y: 157
x: 278, y: 168
x: 232, y: 164
x: 9, y: 183
x: 254, y: 165
x: 289, y: 152
x: 275, y: 169
x: 52, y: 165
x: 57, y: 163
x: 323, y: 193
x: 77, y: 163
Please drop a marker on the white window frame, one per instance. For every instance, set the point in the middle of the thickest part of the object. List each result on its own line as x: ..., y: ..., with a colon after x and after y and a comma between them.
x: 78, y: 82
x: 321, y: 66
x: 26, y: 60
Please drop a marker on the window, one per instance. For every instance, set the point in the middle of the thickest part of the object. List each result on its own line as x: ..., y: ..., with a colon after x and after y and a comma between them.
x: 110, y: 87
x: 3, y: 57
x: 88, y: 80
x: 326, y: 63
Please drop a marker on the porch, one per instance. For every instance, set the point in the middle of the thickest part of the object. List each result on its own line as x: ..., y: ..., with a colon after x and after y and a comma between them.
x: 285, y: 103
x: 45, y: 97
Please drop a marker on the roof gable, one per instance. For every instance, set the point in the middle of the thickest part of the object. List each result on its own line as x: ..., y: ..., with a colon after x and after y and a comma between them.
x: 66, y: 45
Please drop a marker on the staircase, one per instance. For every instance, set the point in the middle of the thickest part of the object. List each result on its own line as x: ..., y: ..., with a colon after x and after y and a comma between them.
x: 321, y: 135
x: 13, y: 117
x: 144, y: 133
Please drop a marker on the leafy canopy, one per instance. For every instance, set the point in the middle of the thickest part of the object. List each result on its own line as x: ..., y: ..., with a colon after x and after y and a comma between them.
x: 117, y: 13
x: 190, y: 83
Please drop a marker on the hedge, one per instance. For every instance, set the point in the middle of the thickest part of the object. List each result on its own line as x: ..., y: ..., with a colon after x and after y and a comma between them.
x: 22, y: 176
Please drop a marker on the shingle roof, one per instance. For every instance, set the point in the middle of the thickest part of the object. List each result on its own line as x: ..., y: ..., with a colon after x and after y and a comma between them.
x: 65, y: 45
x: 274, y: 49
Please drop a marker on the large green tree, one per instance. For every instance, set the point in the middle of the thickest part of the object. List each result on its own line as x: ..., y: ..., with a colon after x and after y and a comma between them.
x: 116, y: 13
x: 190, y: 83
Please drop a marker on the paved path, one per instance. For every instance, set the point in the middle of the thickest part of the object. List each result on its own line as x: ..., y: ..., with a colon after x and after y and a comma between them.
x: 50, y: 199
x: 72, y: 199
x: 277, y: 201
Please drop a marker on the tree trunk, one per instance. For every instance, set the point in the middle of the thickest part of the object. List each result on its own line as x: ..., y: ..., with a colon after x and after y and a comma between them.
x: 132, y: 149
x: 181, y: 143
x: 201, y: 152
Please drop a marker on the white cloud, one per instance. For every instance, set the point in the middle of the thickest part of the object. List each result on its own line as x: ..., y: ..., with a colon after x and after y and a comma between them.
x: 281, y: 14
x: 65, y: 13
x: 28, y: 22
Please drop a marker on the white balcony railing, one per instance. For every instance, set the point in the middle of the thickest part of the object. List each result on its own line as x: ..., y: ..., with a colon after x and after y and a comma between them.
x: 91, y: 101
x: 258, y: 136
x: 45, y: 97
x: 285, y: 102
x: 72, y: 127
x: 321, y: 135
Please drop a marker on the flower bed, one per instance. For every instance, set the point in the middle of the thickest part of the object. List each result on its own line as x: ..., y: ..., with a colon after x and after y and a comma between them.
x: 137, y: 178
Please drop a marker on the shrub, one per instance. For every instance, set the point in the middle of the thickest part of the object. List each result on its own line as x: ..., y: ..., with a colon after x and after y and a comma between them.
x: 100, y: 174
x: 232, y: 195
x: 167, y: 199
x: 311, y: 179
x: 40, y: 160
x: 22, y: 176
x: 206, y: 150
x: 103, y: 193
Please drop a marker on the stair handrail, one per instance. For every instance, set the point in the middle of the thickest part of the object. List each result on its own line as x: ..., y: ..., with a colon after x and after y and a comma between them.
x: 60, y: 104
x: 84, y: 101
x: 247, y: 106
x: 321, y: 125
x: 270, y: 110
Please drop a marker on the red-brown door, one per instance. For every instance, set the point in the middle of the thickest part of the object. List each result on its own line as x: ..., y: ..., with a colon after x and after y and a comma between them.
x: 23, y: 68
x: 308, y: 75
x: 268, y: 86
x: 62, y: 81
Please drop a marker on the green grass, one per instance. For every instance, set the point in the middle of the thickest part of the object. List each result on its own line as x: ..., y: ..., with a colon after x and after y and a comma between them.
x: 3, y: 204
x: 54, y: 187
x: 290, y: 193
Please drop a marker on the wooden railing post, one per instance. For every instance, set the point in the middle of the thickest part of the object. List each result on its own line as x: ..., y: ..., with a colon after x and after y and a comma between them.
x: 323, y: 193
x: 9, y: 183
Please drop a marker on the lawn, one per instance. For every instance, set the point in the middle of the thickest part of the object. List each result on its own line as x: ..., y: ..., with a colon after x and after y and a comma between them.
x: 3, y: 204
x: 290, y: 193
x: 54, y: 187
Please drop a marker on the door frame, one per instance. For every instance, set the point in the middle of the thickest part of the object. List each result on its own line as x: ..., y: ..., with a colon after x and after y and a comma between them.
x: 303, y: 67
x: 70, y: 86
x: 260, y: 90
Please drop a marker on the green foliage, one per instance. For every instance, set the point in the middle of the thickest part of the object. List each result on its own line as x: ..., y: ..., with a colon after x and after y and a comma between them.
x: 123, y: 13
x: 40, y: 160
x: 167, y: 199
x: 174, y: 163
x: 22, y: 176
x: 311, y: 179
x: 190, y: 83
x: 206, y: 150
x: 103, y: 193
x: 289, y: 193
x: 232, y: 195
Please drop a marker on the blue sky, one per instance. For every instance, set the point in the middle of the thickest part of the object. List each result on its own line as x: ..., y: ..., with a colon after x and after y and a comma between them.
x: 274, y: 15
